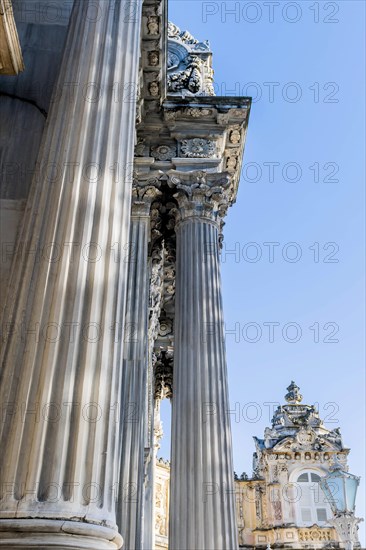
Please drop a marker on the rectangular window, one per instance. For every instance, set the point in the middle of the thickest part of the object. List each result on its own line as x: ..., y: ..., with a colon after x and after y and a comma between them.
x: 321, y: 514
x: 306, y: 514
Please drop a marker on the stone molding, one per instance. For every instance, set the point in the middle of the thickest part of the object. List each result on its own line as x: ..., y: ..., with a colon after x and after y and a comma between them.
x: 13, y: 532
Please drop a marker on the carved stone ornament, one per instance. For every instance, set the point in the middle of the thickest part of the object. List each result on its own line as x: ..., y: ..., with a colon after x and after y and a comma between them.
x: 296, y: 427
x: 231, y: 163
x: 293, y: 395
x: 156, y: 291
x: 153, y: 25
x: 170, y: 114
x: 163, y: 152
x: 305, y: 437
x: 277, y: 509
x: 165, y: 327
x: 189, y: 69
x: 153, y: 58
x: 140, y: 147
x: 189, y: 79
x: 198, y: 113
x: 154, y: 88
x: 200, y: 194
x: 145, y: 191
x: 184, y: 36
x: 347, y: 528
x: 235, y: 136
x: 198, y: 148
x: 164, y: 374
x: 314, y: 534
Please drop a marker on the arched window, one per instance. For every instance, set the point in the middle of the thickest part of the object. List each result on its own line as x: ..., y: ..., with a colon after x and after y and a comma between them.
x: 311, y: 504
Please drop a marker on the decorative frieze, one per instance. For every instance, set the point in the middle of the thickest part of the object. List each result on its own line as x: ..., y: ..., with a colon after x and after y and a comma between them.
x: 198, y: 148
x: 164, y: 152
x: 316, y: 534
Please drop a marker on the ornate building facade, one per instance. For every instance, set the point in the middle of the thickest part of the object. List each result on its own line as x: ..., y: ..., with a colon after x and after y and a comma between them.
x: 118, y: 167
x: 282, y: 504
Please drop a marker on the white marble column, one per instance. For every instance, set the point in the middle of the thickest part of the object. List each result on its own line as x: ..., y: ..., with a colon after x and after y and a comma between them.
x: 202, y: 506
x: 134, y: 373
x: 61, y: 360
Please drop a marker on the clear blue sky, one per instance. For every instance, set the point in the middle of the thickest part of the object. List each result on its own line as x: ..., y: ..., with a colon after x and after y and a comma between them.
x: 312, y: 52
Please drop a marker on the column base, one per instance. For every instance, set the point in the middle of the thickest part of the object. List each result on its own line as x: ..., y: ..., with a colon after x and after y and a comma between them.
x: 57, y: 534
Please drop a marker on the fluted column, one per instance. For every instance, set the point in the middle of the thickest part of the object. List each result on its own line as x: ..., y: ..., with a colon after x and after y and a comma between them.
x: 134, y: 372
x: 202, y: 506
x: 61, y: 361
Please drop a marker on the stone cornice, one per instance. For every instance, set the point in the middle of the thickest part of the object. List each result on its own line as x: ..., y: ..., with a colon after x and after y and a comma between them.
x: 195, y: 134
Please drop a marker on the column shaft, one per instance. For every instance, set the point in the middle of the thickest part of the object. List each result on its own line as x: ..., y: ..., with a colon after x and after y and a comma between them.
x: 202, y: 511
x: 134, y: 380
x: 60, y: 377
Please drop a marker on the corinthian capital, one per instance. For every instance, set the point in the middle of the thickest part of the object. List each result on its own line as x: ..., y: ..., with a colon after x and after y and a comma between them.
x: 144, y: 193
x: 201, y: 195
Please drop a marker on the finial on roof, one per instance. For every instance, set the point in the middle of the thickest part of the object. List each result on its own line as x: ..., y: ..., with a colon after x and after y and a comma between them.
x: 293, y: 396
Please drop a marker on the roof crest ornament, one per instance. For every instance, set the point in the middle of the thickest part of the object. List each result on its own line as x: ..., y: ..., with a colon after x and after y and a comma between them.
x: 189, y: 71
x: 293, y: 396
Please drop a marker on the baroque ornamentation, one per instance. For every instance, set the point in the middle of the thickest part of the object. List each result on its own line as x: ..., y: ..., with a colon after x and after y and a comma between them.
x: 169, y: 283
x: 235, y: 136
x: 140, y: 147
x: 163, y: 372
x: 198, y: 148
x: 189, y: 79
x: 156, y: 291
x: 184, y: 36
x: 154, y: 88
x: 153, y: 25
x: 143, y: 195
x: 201, y: 194
x: 277, y: 509
x: 231, y: 163
x: 306, y: 437
x: 347, y: 527
x: 189, y: 64
x: 315, y: 534
x: 195, y: 112
x: 165, y: 327
x: 163, y: 152
x: 293, y: 395
x: 153, y: 58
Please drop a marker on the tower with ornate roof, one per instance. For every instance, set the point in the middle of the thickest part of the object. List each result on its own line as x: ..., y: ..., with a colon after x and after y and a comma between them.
x: 282, y: 504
